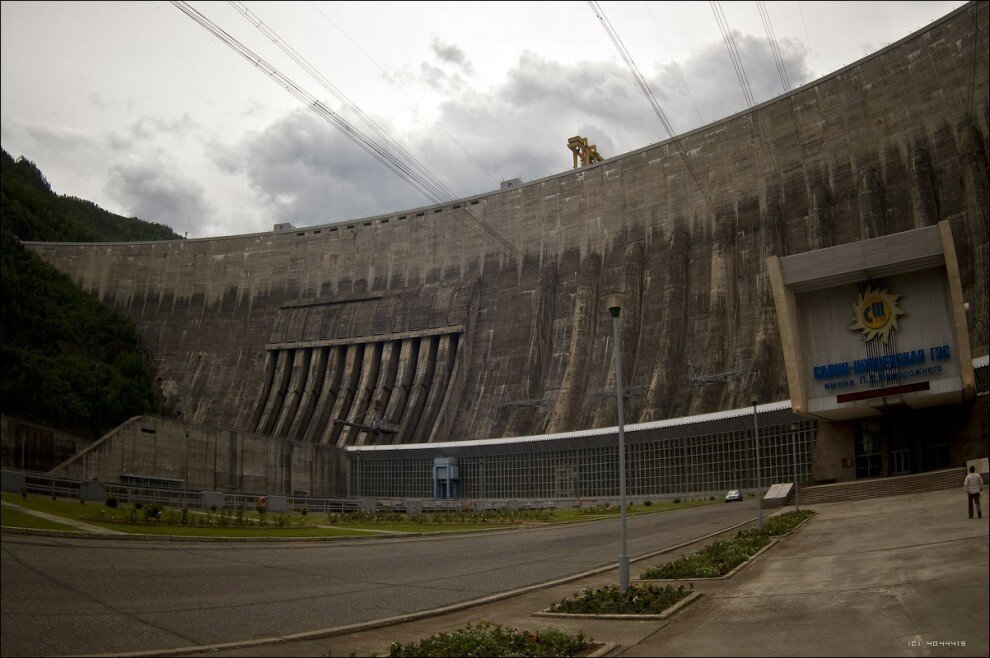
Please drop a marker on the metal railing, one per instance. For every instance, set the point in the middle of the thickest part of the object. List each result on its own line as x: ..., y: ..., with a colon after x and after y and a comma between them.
x: 41, y: 483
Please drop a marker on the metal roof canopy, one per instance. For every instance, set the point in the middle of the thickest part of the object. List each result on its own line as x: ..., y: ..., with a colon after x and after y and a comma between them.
x: 772, y: 414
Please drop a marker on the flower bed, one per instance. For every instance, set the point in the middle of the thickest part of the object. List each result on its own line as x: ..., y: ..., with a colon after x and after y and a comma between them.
x: 611, y: 600
x: 485, y: 639
x: 723, y: 555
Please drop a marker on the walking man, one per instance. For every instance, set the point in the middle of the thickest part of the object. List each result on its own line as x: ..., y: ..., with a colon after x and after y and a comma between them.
x: 973, y: 484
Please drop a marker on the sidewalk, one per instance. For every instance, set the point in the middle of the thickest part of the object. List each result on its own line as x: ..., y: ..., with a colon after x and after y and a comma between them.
x: 905, y: 576
x: 79, y: 525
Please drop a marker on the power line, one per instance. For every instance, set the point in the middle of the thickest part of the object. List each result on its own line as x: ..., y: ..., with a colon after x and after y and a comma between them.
x: 734, y: 57
x: 774, y: 46
x: 403, y: 90
x: 386, y: 139
x: 807, y: 40
x: 737, y: 64
x: 645, y: 87
x: 427, y: 186
x: 677, y: 67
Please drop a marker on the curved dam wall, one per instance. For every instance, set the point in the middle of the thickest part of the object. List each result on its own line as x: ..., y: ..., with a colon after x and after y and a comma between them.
x: 421, y: 316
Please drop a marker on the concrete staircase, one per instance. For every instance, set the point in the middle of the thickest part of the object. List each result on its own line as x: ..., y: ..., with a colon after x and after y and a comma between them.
x: 880, y: 487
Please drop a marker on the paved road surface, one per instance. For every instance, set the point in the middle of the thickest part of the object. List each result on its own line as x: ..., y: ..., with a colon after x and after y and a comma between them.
x: 76, y: 596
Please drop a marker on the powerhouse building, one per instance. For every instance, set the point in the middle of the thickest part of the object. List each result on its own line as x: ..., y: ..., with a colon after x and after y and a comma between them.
x: 823, y: 254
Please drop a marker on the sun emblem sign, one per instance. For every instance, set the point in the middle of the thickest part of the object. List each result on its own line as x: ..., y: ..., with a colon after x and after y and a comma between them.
x: 875, y: 313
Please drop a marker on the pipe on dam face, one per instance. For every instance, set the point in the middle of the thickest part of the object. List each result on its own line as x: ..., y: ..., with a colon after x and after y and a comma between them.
x: 425, y: 368
x: 351, y: 435
x: 294, y: 392
x: 345, y: 396
x: 396, y: 409
x: 329, y: 388
x: 311, y: 394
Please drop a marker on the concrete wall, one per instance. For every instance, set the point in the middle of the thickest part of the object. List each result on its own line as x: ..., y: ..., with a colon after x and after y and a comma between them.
x: 209, y: 459
x: 245, y: 329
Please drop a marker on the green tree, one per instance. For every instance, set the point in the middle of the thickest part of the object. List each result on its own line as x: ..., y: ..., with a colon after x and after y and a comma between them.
x: 65, y: 360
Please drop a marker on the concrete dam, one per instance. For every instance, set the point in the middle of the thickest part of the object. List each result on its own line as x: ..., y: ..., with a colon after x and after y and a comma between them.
x: 450, y: 336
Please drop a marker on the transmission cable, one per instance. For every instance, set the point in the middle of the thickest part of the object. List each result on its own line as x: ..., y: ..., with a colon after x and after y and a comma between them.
x: 807, y: 39
x: 680, y: 74
x: 427, y: 186
x: 774, y: 45
x: 737, y: 64
x: 385, y: 138
x: 645, y: 87
x: 388, y: 77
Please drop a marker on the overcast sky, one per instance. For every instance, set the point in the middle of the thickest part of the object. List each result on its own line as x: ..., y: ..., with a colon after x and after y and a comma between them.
x: 136, y: 107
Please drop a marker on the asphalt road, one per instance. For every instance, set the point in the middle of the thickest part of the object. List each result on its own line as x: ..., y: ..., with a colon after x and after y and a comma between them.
x: 79, y: 596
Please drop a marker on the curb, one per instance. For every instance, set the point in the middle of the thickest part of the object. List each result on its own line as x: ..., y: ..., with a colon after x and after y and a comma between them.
x: 603, y: 650
x: 752, y: 558
x: 669, y: 612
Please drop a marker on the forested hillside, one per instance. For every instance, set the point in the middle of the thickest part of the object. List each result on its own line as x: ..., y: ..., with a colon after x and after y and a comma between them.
x: 65, y: 360
x: 31, y: 211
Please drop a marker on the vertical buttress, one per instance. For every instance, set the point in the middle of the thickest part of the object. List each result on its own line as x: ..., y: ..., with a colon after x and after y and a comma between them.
x: 293, y: 394
x: 348, y: 384
x: 408, y: 356
x: 311, y: 393
x: 312, y: 432
x: 425, y: 365
x: 350, y: 435
x: 446, y: 352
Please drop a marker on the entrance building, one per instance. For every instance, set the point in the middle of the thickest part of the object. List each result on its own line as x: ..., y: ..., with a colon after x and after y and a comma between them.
x: 876, y: 344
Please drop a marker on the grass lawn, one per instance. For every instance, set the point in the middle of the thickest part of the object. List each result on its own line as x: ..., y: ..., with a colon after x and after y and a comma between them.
x: 13, y: 518
x: 314, y: 524
x: 196, y: 531
x: 571, y: 515
x: 116, y: 519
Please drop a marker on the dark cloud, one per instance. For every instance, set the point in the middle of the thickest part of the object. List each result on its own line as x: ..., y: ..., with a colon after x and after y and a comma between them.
x: 449, y: 53
x: 156, y: 190
x: 311, y: 174
x: 54, y: 138
x: 440, y: 80
x: 521, y: 127
x: 716, y: 88
x: 149, y: 129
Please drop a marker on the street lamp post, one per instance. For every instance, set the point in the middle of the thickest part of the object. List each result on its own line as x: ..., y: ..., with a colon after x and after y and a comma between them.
x: 613, y: 301
x: 797, y: 505
x: 759, y: 490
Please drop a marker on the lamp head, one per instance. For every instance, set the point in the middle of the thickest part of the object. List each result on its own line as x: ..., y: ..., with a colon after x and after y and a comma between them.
x: 614, y: 302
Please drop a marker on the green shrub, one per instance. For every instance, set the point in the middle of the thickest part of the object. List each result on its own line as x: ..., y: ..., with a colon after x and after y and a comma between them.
x: 677, y: 501
x: 153, y: 511
x: 637, y: 599
x: 723, y: 555
x: 486, y: 639
x: 112, y: 502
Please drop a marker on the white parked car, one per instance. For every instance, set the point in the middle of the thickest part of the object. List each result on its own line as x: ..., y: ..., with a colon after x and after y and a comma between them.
x: 734, y: 496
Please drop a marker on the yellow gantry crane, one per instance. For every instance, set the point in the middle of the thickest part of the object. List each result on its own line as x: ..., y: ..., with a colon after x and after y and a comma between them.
x: 581, y: 150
